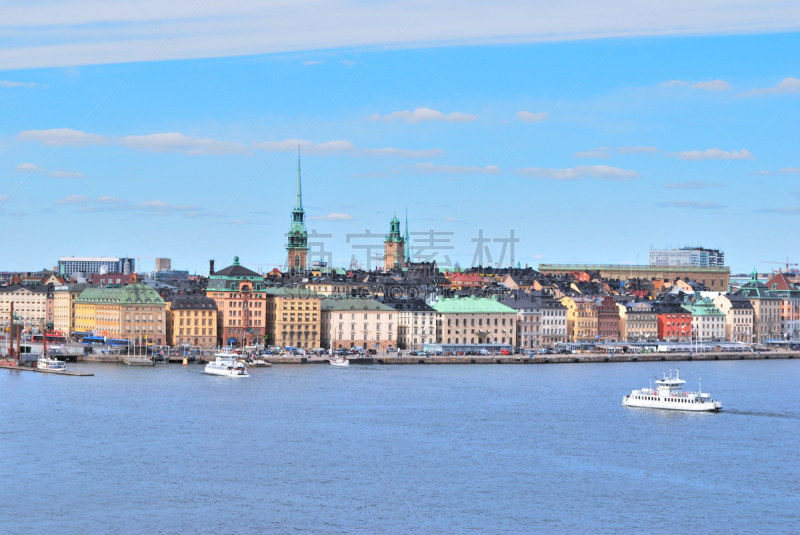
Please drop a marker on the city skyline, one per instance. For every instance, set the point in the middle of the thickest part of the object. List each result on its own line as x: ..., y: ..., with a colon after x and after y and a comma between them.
x: 592, y: 150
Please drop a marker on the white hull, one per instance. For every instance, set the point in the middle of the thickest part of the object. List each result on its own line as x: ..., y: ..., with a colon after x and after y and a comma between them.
x: 226, y: 373
x: 708, y: 406
x: 51, y: 364
x: 340, y: 363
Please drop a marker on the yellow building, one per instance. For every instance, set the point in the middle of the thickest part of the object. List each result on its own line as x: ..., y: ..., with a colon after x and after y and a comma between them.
x: 192, y: 320
x: 293, y: 318
x: 581, y: 318
x: 135, y: 312
x: 64, y: 298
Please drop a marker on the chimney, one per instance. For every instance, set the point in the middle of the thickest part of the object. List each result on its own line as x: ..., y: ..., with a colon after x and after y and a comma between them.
x: 210, y: 267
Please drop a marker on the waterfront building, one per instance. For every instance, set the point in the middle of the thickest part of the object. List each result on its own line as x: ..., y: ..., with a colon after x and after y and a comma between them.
x: 715, y: 278
x: 356, y: 322
x: 416, y: 323
x: 607, y: 319
x: 739, y: 317
x: 297, y: 240
x: 581, y: 318
x: 64, y: 296
x: 67, y: 265
x: 789, y: 292
x: 30, y: 304
x: 766, y: 309
x: 541, y: 320
x: 134, y: 312
x: 674, y: 321
x: 192, y: 320
x: 293, y: 317
x: 708, y: 322
x: 474, y: 320
x: 638, y: 322
x: 241, y: 297
x: 394, y: 253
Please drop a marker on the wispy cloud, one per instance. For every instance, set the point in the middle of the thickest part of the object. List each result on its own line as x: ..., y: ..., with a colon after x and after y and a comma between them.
x: 713, y: 85
x: 348, y: 62
x: 29, y: 168
x: 62, y: 136
x: 628, y: 149
x: 713, y: 154
x: 72, y: 199
x: 694, y: 184
x: 314, y: 62
x: 787, y: 85
x: 333, y: 217
x: 307, y: 147
x: 424, y: 114
x: 405, y: 153
x: 599, y: 152
x: 63, y: 173
x: 531, y: 117
x: 177, y: 142
x: 673, y: 83
x: 59, y: 173
x: 8, y: 83
x: 693, y: 205
x: 785, y: 210
x: 425, y: 168
x: 585, y: 172
x: 784, y: 171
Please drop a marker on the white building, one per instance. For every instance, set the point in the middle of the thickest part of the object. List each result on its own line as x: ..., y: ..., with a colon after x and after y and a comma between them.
x: 687, y: 256
x: 67, y: 265
x: 356, y: 322
x: 30, y: 304
x: 416, y: 324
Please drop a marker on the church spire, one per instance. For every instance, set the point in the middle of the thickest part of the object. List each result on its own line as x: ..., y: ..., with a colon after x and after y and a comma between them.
x: 298, y: 195
x: 407, y: 243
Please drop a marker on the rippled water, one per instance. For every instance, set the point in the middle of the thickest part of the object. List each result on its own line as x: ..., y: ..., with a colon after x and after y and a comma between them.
x: 398, y: 449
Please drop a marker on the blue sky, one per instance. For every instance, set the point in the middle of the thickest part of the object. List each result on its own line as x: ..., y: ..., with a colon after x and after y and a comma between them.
x: 592, y: 150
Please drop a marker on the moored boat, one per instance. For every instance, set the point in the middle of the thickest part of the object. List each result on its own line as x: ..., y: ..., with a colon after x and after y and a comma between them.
x: 50, y: 364
x: 226, y: 365
x: 669, y: 394
x: 339, y: 361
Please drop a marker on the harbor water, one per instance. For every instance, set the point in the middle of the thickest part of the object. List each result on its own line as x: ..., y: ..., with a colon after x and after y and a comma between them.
x: 398, y: 449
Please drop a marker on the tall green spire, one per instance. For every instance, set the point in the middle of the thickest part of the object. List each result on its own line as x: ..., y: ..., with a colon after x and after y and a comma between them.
x: 407, y: 242
x: 298, y: 195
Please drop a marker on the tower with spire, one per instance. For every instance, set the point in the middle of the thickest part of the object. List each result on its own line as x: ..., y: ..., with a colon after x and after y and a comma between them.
x: 394, y: 255
x: 297, y: 244
x: 406, y: 241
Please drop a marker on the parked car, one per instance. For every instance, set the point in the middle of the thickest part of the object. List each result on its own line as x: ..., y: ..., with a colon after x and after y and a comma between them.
x: 505, y: 352
x: 392, y: 350
x: 372, y: 352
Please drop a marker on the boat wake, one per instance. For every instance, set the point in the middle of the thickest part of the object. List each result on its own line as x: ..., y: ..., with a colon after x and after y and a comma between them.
x: 789, y: 415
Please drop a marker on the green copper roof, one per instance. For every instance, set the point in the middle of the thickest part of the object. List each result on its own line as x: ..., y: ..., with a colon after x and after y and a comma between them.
x: 703, y: 307
x: 291, y: 292
x: 133, y: 293
x: 471, y: 305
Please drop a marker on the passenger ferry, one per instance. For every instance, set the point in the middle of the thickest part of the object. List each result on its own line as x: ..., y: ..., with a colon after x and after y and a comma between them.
x: 51, y: 364
x: 669, y: 394
x: 227, y: 365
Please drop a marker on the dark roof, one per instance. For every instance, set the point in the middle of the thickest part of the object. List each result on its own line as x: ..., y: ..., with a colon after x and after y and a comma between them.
x: 192, y: 302
x: 37, y: 289
x: 410, y: 305
x: 235, y: 271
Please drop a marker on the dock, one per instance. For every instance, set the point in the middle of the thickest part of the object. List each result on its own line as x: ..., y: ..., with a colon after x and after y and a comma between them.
x: 137, y: 361
x: 54, y: 372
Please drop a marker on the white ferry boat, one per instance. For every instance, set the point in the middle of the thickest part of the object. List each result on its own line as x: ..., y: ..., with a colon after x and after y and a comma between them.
x: 669, y: 394
x: 48, y: 363
x: 227, y: 365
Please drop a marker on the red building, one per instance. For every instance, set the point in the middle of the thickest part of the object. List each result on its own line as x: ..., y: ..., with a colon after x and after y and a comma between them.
x: 119, y: 279
x: 607, y: 319
x: 674, y: 322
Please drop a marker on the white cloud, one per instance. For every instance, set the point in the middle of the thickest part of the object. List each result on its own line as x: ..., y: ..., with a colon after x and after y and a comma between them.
x: 694, y: 205
x: 713, y: 85
x: 177, y: 142
x: 348, y: 62
x: 62, y: 173
x: 62, y: 136
x: 426, y: 168
x: 787, y: 210
x: 105, y: 199
x: 314, y: 62
x: 7, y: 83
x: 714, y: 154
x: 29, y: 168
x: 307, y: 147
x: 673, y: 83
x: 530, y: 117
x: 406, y: 153
x: 332, y: 217
x: 694, y: 184
x: 585, y: 172
x: 73, y: 199
x: 599, y: 152
x: 787, y: 85
x: 161, y: 207
x: 83, y: 32
x: 637, y: 150
x: 784, y: 171
x: 424, y: 114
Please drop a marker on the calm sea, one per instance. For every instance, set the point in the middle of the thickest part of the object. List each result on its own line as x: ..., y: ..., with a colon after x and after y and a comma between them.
x: 398, y: 449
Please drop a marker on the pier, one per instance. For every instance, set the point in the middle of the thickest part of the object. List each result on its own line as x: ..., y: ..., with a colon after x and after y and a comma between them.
x: 54, y: 372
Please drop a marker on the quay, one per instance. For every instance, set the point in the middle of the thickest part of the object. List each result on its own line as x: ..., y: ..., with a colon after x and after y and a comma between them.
x: 544, y: 359
x: 54, y: 372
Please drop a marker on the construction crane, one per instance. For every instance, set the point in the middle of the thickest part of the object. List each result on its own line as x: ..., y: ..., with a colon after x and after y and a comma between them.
x: 787, y: 263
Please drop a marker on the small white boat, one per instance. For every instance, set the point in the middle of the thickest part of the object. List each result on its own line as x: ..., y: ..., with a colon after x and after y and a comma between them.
x: 51, y: 364
x: 669, y: 394
x: 339, y: 361
x: 227, y: 365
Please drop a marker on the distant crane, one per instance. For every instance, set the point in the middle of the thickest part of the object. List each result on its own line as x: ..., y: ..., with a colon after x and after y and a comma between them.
x: 787, y: 263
